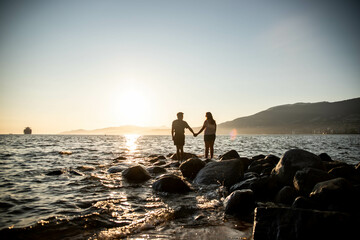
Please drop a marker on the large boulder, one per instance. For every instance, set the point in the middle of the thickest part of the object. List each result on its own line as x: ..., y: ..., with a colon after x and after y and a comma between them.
x: 191, y: 167
x: 171, y: 184
x: 136, y: 174
x: 305, y: 179
x: 292, y: 161
x: 286, y: 195
x: 186, y: 156
x: 336, y: 195
x: 156, y: 170
x: 265, y: 187
x: 240, y: 202
x: 346, y: 171
x: 302, y: 224
x: 232, y: 154
x: 225, y: 173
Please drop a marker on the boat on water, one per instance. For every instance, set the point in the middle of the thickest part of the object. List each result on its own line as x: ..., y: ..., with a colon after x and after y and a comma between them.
x: 27, y: 130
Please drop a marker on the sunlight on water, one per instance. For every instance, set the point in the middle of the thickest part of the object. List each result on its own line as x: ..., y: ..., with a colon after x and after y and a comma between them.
x: 131, y: 142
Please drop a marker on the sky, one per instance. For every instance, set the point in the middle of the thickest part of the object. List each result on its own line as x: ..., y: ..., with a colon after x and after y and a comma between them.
x: 88, y: 64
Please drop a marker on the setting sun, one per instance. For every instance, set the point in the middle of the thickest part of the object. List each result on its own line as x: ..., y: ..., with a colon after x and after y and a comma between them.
x: 131, y: 106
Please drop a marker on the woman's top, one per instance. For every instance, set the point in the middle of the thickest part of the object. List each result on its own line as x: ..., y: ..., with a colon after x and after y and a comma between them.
x: 210, y: 129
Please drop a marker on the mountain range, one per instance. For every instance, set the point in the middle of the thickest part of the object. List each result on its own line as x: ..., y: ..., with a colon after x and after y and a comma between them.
x: 299, y: 118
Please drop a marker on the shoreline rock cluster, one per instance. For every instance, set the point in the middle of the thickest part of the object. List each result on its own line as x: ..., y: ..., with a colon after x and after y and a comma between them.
x: 298, y: 196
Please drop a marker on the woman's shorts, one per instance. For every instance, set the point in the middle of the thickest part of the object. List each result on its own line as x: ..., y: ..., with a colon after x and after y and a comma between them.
x: 179, y: 140
x: 209, y: 138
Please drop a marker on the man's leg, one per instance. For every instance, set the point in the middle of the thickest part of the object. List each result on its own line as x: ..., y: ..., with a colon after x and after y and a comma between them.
x: 178, y: 156
x: 181, y: 153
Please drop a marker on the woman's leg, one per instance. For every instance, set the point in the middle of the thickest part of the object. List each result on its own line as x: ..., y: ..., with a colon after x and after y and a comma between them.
x: 207, y: 147
x: 211, y: 145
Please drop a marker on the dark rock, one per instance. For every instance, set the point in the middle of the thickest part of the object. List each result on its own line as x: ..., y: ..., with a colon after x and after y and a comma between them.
x: 357, y: 167
x: 330, y: 165
x: 232, y: 154
x: 171, y: 184
x: 225, y: 173
x: 191, y: 167
x: 302, y: 202
x: 292, y: 161
x: 248, y: 175
x: 272, y: 159
x: 306, y: 179
x: 265, y: 187
x: 160, y: 163
x: 73, y: 172
x: 186, y: 156
x: 120, y: 158
x: 55, y: 173
x: 156, y: 170
x: 240, y: 202
x: 116, y: 169
x: 136, y: 174
x: 302, y: 224
x: 336, y: 195
x: 325, y: 157
x: 286, y: 195
x: 257, y: 157
x: 346, y: 171
x: 245, y: 184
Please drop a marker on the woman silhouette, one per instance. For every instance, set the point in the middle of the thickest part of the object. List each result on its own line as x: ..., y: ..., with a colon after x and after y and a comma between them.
x: 209, y: 135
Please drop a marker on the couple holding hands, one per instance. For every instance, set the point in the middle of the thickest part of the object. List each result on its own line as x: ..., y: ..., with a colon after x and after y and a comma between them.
x: 178, y: 134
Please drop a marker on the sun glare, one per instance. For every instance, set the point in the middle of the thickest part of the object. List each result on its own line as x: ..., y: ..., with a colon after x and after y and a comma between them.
x: 131, y: 107
x: 131, y: 141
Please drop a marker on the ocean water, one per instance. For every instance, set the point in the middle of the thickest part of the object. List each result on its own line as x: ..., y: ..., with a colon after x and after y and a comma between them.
x: 60, y: 187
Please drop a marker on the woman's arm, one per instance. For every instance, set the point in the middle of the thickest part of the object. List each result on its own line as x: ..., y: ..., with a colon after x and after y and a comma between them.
x: 202, y: 129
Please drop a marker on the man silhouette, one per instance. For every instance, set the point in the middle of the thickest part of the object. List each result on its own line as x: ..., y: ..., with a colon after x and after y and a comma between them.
x: 178, y: 134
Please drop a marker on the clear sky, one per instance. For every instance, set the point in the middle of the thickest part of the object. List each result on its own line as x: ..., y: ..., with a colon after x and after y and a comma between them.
x: 87, y: 64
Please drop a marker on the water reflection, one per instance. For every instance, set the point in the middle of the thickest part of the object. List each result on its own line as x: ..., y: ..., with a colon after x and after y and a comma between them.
x: 131, y: 142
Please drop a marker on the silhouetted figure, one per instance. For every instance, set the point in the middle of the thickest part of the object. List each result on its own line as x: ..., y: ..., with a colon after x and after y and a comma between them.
x: 178, y: 134
x: 209, y: 135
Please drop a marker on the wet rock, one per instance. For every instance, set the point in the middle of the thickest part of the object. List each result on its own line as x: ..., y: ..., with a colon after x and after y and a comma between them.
x: 225, y: 173
x: 292, y: 161
x: 136, y: 174
x: 229, y: 155
x: 160, y: 163
x: 156, y: 170
x: 120, y: 158
x: 73, y: 172
x: 306, y: 179
x: 171, y: 184
x: 346, y: 171
x: 191, y: 167
x: 240, y: 202
x: 286, y: 195
x: 55, y: 173
x: 116, y: 169
x: 301, y: 224
x: 325, y: 157
x: 186, y: 156
x: 336, y: 195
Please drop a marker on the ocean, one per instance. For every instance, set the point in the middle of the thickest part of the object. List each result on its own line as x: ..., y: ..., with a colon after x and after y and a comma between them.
x: 60, y: 186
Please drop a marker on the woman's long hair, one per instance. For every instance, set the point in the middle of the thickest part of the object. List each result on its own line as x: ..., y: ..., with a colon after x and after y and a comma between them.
x: 210, y: 118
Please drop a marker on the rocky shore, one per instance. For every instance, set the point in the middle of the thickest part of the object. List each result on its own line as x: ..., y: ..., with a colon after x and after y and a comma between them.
x: 298, y: 196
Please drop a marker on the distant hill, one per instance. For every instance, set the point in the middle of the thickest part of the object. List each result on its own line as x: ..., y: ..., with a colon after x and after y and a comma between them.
x: 321, y: 117
x: 122, y: 130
